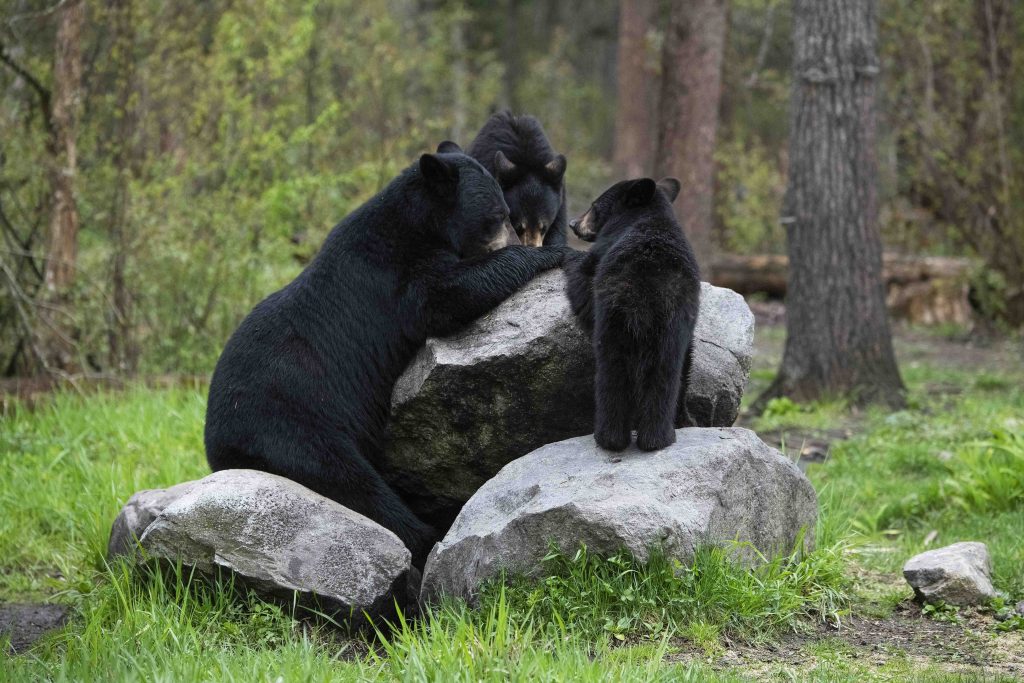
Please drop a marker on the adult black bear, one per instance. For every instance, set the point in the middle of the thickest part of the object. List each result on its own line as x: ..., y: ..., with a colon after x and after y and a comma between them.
x: 637, y: 291
x: 303, y: 387
x: 515, y: 150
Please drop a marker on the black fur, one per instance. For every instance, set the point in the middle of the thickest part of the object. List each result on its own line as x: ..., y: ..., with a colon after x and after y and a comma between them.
x: 303, y: 386
x: 637, y: 291
x: 515, y: 150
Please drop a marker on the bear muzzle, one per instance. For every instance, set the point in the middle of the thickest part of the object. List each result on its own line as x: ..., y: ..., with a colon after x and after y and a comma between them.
x: 583, y: 227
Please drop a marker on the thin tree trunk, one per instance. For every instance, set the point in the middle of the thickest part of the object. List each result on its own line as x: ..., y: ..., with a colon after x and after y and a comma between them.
x: 688, y: 112
x: 511, y: 55
x: 634, y: 113
x: 66, y: 103
x: 460, y: 76
x: 838, y: 341
x: 124, y: 351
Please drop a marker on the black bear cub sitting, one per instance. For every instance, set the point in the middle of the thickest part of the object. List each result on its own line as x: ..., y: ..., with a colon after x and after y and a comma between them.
x: 637, y: 291
x: 303, y: 387
x: 515, y: 150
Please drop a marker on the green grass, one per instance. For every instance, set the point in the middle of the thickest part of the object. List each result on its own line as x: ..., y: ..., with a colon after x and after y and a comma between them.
x: 67, y: 466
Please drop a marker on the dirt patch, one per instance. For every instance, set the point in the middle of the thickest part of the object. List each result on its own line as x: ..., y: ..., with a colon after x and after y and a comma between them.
x: 24, y: 624
x: 968, y: 647
x: 804, y: 446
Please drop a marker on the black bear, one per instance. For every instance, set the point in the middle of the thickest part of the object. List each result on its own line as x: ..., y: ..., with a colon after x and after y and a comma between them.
x: 303, y: 386
x: 515, y: 150
x: 637, y: 291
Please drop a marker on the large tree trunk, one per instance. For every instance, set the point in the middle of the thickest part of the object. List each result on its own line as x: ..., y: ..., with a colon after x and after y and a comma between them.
x: 634, y: 113
x: 688, y: 112
x: 837, y: 332
x: 67, y: 82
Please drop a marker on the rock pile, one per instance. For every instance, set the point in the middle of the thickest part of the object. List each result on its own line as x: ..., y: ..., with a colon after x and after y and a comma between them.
x: 496, y: 416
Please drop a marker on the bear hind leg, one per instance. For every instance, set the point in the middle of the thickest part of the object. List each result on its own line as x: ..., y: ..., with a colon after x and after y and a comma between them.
x: 612, y: 391
x: 657, y: 392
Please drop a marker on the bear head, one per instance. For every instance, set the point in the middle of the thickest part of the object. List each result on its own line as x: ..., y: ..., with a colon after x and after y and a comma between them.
x: 534, y: 195
x: 623, y: 200
x: 476, y: 215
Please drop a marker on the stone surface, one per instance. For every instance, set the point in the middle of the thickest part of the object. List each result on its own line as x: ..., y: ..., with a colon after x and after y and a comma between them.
x: 712, y: 486
x: 278, y: 538
x: 959, y: 574
x: 136, y: 516
x: 523, y: 376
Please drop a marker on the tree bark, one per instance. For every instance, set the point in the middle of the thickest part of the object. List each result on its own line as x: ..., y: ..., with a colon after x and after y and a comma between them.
x: 66, y: 103
x: 838, y: 341
x: 633, y: 154
x: 124, y: 351
x: 688, y: 113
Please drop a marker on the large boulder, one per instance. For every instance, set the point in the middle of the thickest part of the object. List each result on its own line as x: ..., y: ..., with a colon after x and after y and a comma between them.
x: 523, y: 376
x: 713, y: 486
x: 959, y: 574
x: 281, y: 540
x: 136, y: 516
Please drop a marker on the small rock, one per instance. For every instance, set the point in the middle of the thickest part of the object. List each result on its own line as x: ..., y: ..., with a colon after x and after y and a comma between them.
x: 712, y: 486
x: 522, y: 376
x: 1019, y: 609
x: 944, y: 456
x: 136, y: 516
x: 279, y: 538
x: 958, y: 574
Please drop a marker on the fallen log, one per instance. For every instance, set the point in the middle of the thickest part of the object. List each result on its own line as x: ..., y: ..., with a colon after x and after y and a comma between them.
x: 927, y: 290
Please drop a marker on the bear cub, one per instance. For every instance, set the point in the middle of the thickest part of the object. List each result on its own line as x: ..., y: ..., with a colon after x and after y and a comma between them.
x: 515, y: 150
x: 637, y: 292
x: 303, y: 387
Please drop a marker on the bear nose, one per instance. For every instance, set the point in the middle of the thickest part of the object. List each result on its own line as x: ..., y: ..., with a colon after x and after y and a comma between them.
x: 574, y: 223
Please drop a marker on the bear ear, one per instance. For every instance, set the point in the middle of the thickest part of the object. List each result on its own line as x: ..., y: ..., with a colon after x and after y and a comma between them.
x: 449, y: 147
x: 503, y: 168
x: 555, y: 169
x: 670, y: 187
x: 439, y: 175
x: 640, y: 192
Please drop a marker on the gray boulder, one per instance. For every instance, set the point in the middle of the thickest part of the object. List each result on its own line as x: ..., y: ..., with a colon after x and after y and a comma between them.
x: 281, y: 539
x: 712, y: 486
x: 959, y: 574
x: 523, y: 376
x: 136, y: 516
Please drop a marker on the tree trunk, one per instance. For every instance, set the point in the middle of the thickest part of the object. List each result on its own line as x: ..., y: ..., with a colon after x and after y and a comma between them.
x: 460, y: 77
x: 837, y: 332
x: 67, y: 81
x: 634, y: 113
x: 124, y: 351
x: 688, y: 112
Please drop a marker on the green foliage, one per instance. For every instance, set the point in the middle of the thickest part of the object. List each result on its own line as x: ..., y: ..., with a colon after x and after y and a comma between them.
x: 952, y: 122
x: 749, y: 198
x: 940, y: 611
x: 782, y: 407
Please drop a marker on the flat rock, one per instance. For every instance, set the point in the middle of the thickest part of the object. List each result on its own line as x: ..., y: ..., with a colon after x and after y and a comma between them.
x: 713, y: 486
x: 523, y: 376
x: 959, y: 574
x: 280, y: 539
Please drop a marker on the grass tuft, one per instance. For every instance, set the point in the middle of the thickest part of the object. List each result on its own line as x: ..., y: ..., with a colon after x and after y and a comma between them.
x: 620, y: 599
